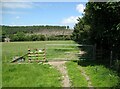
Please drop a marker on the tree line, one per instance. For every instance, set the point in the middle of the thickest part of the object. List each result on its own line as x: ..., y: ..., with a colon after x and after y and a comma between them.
x: 100, y: 26
x: 30, y: 29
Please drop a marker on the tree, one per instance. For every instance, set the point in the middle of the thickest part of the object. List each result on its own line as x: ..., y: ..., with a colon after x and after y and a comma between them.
x: 67, y: 27
x: 81, y: 32
x: 103, y: 19
x: 19, y: 36
x: 103, y: 27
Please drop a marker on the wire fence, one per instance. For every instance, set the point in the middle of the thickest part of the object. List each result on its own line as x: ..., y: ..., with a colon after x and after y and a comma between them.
x: 69, y: 52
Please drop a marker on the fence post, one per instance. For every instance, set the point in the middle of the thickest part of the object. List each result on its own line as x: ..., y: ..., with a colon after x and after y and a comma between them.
x: 94, y: 52
x: 29, y: 57
x: 44, y: 53
x: 111, y: 57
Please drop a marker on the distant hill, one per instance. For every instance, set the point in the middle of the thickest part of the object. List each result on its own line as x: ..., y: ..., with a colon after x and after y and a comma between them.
x: 44, y: 30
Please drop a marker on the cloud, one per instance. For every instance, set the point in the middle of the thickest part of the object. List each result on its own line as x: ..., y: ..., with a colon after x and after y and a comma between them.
x: 13, y: 0
x: 44, y: 0
x: 14, y: 5
x: 17, y: 17
x: 70, y: 20
x: 80, y: 8
x: 11, y: 12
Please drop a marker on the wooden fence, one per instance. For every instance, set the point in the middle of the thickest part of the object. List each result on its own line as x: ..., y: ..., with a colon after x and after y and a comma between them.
x: 37, y: 55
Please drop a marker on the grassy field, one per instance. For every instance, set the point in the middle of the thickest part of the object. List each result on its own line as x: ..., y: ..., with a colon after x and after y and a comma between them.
x: 12, y: 49
x: 27, y: 75
x: 30, y: 75
x: 44, y: 75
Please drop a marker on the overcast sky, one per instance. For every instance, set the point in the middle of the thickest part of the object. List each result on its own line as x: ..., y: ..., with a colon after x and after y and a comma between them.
x: 41, y: 13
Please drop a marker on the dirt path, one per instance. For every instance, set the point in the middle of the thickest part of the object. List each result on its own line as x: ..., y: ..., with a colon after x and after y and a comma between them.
x: 60, y: 65
x: 86, y: 77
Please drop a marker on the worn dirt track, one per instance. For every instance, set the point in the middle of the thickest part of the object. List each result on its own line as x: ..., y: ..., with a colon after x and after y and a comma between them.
x: 86, y: 77
x: 60, y: 65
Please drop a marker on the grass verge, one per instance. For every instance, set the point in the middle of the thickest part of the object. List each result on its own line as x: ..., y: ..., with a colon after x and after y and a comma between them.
x: 101, y: 76
x: 76, y: 78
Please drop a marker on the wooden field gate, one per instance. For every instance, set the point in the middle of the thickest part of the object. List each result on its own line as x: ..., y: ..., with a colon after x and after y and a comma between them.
x: 37, y: 55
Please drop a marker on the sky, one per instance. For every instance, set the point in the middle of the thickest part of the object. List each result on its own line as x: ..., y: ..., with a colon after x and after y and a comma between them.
x: 41, y: 13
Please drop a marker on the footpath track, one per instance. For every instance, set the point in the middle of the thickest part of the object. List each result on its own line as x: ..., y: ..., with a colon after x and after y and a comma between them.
x: 60, y: 65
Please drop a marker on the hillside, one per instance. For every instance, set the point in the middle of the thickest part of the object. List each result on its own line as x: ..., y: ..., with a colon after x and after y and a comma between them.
x: 36, y: 33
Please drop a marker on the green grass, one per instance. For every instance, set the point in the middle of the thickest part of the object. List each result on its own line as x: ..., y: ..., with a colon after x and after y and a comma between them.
x: 12, y: 49
x: 101, y: 76
x: 60, y: 51
x: 74, y: 73
x: 30, y: 75
x: 39, y: 75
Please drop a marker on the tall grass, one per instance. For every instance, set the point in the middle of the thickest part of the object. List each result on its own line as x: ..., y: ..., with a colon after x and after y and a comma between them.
x: 31, y: 75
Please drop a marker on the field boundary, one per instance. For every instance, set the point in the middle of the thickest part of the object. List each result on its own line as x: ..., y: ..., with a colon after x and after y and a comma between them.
x: 79, y: 52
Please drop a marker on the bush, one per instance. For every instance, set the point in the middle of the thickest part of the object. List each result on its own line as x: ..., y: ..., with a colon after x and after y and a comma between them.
x: 42, y: 37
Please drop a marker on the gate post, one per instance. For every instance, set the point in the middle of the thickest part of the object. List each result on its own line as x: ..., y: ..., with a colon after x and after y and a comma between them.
x: 94, y: 52
x: 44, y: 54
x: 111, y: 53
